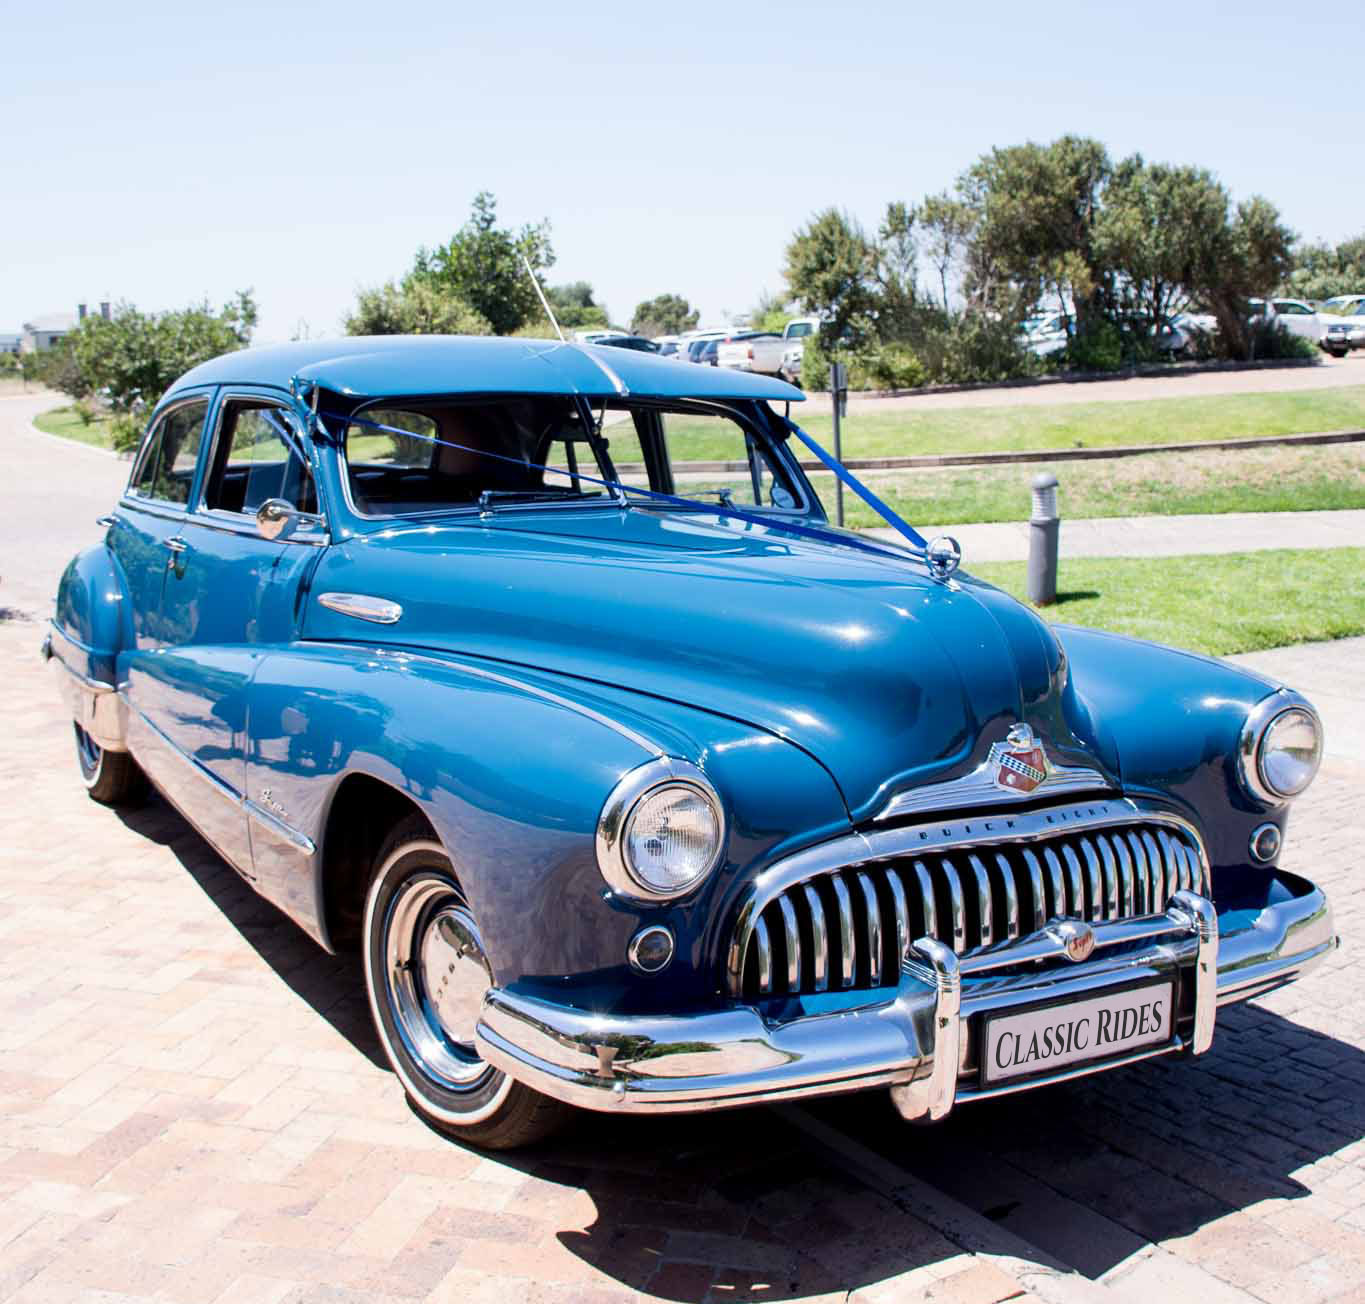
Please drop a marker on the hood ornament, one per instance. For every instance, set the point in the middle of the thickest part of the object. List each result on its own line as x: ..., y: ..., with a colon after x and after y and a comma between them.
x: 943, y: 555
x: 1019, y: 764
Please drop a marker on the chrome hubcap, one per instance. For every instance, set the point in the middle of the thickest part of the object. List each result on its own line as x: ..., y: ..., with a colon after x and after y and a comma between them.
x: 437, y: 975
x: 87, y: 750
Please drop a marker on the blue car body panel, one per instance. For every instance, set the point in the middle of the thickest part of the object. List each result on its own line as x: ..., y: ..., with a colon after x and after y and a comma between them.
x: 541, y: 655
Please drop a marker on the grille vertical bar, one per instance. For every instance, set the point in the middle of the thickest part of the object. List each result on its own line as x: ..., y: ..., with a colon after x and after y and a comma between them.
x: 847, y: 927
x: 819, y: 939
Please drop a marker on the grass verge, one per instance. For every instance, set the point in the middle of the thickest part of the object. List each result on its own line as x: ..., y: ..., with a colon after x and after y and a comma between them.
x: 1326, y: 478
x: 902, y: 433
x: 1238, y: 602
x: 63, y: 421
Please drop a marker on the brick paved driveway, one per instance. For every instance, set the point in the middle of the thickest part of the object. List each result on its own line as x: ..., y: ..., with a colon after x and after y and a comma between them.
x: 192, y: 1105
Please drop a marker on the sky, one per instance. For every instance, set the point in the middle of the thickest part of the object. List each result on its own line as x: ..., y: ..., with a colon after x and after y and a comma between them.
x: 164, y: 153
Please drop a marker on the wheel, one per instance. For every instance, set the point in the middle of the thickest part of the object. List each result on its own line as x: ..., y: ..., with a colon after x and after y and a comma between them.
x: 112, y: 778
x: 426, y: 974
x: 1338, y: 353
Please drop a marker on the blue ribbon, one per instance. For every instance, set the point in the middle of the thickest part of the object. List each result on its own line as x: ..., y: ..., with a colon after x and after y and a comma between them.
x: 824, y: 535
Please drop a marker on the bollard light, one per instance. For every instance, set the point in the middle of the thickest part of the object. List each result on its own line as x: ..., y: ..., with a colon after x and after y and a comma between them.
x: 1044, y: 529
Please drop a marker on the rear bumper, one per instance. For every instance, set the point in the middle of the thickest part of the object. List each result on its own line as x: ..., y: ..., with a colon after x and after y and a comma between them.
x: 922, y: 1042
x: 94, y: 705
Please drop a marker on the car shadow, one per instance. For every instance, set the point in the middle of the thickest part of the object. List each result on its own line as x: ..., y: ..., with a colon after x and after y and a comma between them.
x: 738, y: 1204
x: 331, y: 984
x: 1093, y: 1170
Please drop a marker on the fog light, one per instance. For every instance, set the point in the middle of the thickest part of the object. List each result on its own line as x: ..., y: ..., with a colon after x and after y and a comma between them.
x: 1265, y: 842
x: 651, y: 949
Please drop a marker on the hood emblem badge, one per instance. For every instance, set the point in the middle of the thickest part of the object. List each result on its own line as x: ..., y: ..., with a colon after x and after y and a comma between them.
x: 1019, y: 764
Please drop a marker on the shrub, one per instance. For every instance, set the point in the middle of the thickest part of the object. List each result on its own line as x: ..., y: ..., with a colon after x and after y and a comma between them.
x: 973, y: 348
x: 893, y: 366
x: 125, y: 431
x: 85, y: 411
x: 1098, y: 348
x: 1271, y: 340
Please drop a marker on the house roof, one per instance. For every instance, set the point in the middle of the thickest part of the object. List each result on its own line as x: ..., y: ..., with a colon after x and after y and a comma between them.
x: 52, y: 321
x: 385, y: 366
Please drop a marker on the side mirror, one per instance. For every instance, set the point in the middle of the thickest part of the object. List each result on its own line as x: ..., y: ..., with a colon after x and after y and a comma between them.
x: 274, y: 516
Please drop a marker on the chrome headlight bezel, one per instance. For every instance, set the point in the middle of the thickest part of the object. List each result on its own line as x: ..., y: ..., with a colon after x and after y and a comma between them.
x: 613, y: 826
x: 1250, y: 750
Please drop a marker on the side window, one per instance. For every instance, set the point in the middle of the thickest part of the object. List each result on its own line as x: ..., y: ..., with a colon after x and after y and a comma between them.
x: 726, y: 461
x: 166, y: 469
x: 260, y: 455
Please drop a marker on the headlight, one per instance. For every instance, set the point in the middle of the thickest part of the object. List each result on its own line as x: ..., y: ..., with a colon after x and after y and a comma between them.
x: 661, y: 831
x: 1281, y: 748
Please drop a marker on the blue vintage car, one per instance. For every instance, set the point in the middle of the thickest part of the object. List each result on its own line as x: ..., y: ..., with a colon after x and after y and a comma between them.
x: 534, y: 673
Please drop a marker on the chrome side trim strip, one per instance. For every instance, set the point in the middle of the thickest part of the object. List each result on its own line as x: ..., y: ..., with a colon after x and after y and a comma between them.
x: 276, y: 825
x: 363, y: 606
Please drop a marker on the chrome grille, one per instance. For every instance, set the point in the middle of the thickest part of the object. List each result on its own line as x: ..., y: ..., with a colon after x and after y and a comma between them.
x: 846, y: 928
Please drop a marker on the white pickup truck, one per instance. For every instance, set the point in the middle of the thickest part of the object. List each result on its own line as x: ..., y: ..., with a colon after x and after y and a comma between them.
x: 772, y: 355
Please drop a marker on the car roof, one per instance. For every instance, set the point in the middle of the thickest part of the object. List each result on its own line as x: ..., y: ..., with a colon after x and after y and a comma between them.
x: 386, y: 366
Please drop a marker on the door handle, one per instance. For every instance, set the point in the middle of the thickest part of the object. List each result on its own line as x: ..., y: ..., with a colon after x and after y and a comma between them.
x: 176, y: 545
x: 105, y: 521
x: 176, y: 561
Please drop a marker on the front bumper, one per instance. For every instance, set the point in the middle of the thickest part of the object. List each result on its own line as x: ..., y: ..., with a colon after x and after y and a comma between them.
x: 922, y: 1042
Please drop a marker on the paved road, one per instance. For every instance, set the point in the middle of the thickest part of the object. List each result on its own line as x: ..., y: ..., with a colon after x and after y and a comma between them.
x: 193, y: 1107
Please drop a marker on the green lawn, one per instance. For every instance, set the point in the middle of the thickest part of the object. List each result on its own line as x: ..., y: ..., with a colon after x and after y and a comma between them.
x: 1239, y: 602
x: 1323, y: 478
x: 63, y: 421
x: 904, y: 432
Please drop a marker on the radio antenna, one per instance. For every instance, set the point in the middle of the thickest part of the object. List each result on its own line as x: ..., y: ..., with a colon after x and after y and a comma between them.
x: 544, y: 302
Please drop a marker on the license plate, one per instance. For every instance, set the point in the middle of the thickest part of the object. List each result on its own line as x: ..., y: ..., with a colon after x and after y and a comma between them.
x: 1051, y: 1037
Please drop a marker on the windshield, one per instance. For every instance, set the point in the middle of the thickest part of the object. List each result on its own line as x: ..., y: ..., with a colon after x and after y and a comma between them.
x: 419, y: 456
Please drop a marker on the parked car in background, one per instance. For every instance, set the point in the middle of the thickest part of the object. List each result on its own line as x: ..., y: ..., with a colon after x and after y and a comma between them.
x: 1343, y: 333
x: 764, y: 352
x: 704, y: 352
x: 1343, y: 324
x: 668, y: 345
x: 671, y: 809
x: 596, y: 335
x: 1293, y: 315
x: 637, y: 342
x: 1047, y: 333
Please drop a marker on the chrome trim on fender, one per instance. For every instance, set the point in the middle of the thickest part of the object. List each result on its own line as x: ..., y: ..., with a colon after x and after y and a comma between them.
x: 363, y: 606
x: 1259, y: 719
x: 99, y: 708
x: 630, y: 790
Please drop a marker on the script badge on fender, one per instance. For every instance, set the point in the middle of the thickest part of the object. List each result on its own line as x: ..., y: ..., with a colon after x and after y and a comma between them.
x: 1020, y: 762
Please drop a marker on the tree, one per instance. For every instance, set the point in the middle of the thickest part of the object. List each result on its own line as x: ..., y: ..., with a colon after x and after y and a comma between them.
x: 1321, y: 271
x: 770, y: 313
x: 132, y: 357
x: 574, y: 306
x: 1249, y: 256
x: 664, y: 314
x: 483, y: 266
x: 947, y: 224
x: 1159, y: 224
x: 414, y: 308
x: 895, y: 255
x: 1035, y: 208
x: 831, y: 269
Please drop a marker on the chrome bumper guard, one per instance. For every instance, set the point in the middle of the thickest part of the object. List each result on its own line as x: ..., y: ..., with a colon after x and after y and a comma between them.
x: 918, y: 1043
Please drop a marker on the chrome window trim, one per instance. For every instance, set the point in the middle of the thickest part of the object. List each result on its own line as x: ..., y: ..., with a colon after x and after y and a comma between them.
x: 1258, y: 722
x: 633, y: 787
x: 129, y: 492
x: 220, y: 518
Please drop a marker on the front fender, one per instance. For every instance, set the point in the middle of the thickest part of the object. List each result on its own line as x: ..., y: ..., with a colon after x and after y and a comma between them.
x: 1176, y: 718
x: 512, y: 770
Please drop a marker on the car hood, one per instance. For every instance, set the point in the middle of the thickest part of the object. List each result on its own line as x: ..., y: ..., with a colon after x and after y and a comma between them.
x: 888, y: 678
